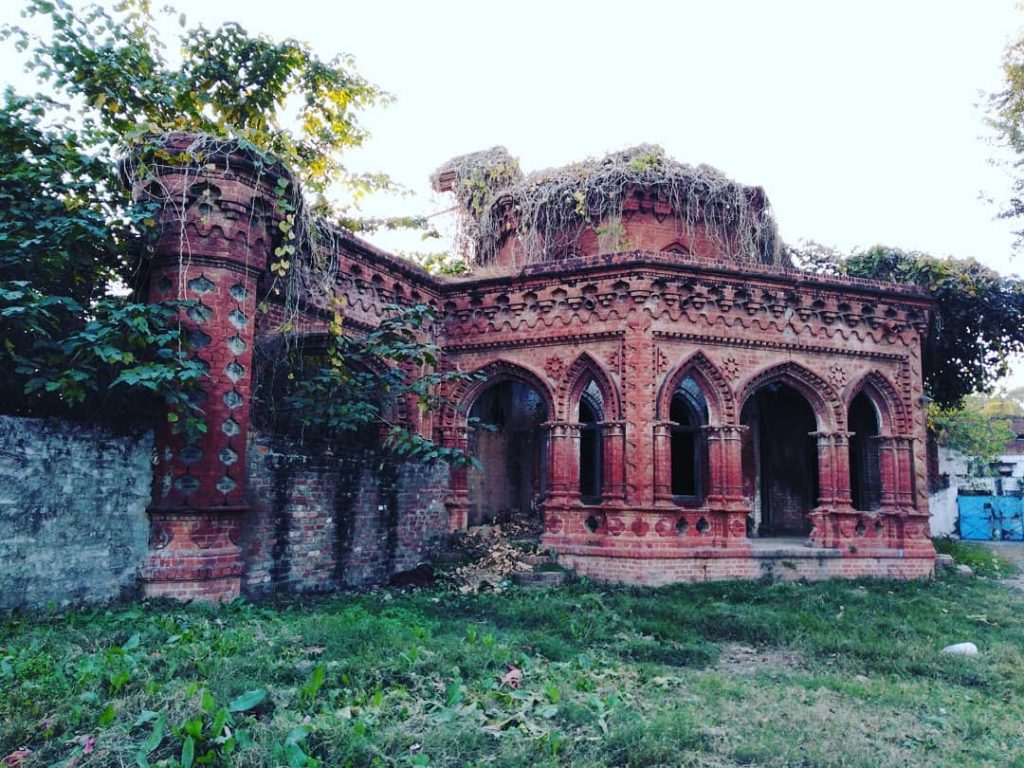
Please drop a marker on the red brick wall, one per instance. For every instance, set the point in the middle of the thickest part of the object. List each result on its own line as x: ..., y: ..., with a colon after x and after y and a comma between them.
x: 323, y: 518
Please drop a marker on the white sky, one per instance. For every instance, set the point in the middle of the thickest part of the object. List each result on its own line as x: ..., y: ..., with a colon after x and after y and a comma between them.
x: 859, y: 119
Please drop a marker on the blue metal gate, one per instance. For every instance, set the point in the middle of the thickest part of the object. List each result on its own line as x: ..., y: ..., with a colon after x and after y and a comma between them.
x: 991, y: 518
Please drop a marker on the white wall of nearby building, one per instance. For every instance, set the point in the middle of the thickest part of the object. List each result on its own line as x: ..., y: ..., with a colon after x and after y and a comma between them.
x: 953, y: 467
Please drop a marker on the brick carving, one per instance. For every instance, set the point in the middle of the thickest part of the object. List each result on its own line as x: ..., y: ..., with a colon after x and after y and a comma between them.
x: 554, y: 367
x: 730, y: 367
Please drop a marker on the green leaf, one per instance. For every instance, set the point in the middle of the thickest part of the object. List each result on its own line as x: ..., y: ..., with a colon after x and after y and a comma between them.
x: 108, y: 716
x: 248, y: 700
x: 207, y: 703
x: 145, y: 716
x: 188, y: 753
x: 156, y: 736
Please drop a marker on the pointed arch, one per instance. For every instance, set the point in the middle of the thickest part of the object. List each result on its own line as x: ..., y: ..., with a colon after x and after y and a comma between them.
x: 721, y: 403
x: 829, y: 408
x: 892, y: 411
x: 461, y: 399
x: 580, y: 373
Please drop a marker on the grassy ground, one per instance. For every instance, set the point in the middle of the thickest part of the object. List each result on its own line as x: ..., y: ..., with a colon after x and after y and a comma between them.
x: 992, y: 560
x: 828, y: 674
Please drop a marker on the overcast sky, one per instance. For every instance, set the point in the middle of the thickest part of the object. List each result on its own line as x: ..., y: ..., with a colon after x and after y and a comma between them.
x: 860, y: 119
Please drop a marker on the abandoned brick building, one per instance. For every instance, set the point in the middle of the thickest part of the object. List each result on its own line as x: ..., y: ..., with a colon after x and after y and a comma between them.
x: 665, y: 392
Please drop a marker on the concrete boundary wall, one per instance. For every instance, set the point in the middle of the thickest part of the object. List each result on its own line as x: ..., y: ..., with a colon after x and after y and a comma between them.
x: 73, y: 525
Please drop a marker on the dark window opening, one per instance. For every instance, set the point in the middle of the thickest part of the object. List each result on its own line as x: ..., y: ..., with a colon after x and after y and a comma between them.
x: 865, y: 469
x: 591, y: 466
x: 688, y: 413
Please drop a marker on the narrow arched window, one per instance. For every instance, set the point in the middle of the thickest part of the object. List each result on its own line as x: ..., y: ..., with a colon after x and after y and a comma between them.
x: 865, y: 467
x: 591, y: 414
x: 688, y: 414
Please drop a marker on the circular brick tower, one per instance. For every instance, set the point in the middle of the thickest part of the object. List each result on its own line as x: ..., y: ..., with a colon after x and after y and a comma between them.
x: 213, y: 244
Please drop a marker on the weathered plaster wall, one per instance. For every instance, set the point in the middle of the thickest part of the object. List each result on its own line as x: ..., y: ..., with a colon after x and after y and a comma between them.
x: 73, y: 525
x: 323, y: 518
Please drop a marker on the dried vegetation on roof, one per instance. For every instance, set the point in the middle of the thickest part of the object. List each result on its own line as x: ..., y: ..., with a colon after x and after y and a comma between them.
x: 549, y: 210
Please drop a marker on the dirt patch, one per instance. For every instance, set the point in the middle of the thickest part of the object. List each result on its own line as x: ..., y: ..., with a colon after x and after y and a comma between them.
x: 737, y: 659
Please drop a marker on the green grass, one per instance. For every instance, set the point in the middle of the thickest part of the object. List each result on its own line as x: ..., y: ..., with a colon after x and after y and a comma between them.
x: 827, y: 674
x: 984, y: 561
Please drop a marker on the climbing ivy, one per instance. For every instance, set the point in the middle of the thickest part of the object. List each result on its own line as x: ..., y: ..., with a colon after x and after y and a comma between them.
x: 327, y: 388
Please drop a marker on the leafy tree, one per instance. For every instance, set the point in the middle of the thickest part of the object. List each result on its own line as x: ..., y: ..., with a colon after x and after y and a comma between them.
x: 979, y: 315
x: 1006, y: 117
x: 64, y: 241
x: 71, y: 233
x: 319, y: 388
x: 980, y: 429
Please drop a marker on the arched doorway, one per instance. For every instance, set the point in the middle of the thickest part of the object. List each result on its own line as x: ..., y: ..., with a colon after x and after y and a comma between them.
x: 865, y: 468
x: 780, y: 460
x: 510, y: 444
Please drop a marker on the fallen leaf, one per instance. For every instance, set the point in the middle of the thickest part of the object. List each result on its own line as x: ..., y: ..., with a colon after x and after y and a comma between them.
x: 513, y: 678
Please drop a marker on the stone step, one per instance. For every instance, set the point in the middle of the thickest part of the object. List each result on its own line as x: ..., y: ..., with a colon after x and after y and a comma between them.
x: 525, y: 543
x: 539, y: 579
x: 536, y: 560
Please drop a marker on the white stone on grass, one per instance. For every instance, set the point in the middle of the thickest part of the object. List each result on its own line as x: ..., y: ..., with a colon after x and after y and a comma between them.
x: 961, y: 649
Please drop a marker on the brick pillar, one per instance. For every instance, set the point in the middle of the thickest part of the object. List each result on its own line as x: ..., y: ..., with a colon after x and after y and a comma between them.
x: 887, y: 466
x: 903, y: 449
x: 725, y: 481
x: 214, y: 242
x: 823, y: 532
x: 613, y: 482
x: 841, y: 453
x: 662, y: 444
x: 639, y: 385
x: 457, y: 501
x: 563, y: 462
x: 912, y: 523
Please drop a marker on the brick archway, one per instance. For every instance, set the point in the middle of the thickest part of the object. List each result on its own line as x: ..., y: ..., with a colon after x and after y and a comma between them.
x: 720, y: 399
x: 582, y: 371
x: 456, y: 412
x: 892, y: 411
x: 829, y: 409
x: 892, y: 456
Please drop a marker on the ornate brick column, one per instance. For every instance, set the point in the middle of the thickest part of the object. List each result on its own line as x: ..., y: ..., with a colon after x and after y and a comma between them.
x: 834, y: 500
x: 912, y: 524
x: 563, y: 462
x: 662, y: 444
x: 903, y: 451
x: 725, y: 481
x: 613, y: 481
x: 887, y: 466
x: 213, y: 244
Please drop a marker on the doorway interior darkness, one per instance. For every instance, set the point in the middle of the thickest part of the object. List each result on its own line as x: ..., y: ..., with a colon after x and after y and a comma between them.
x: 780, y: 460
x: 511, y: 446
